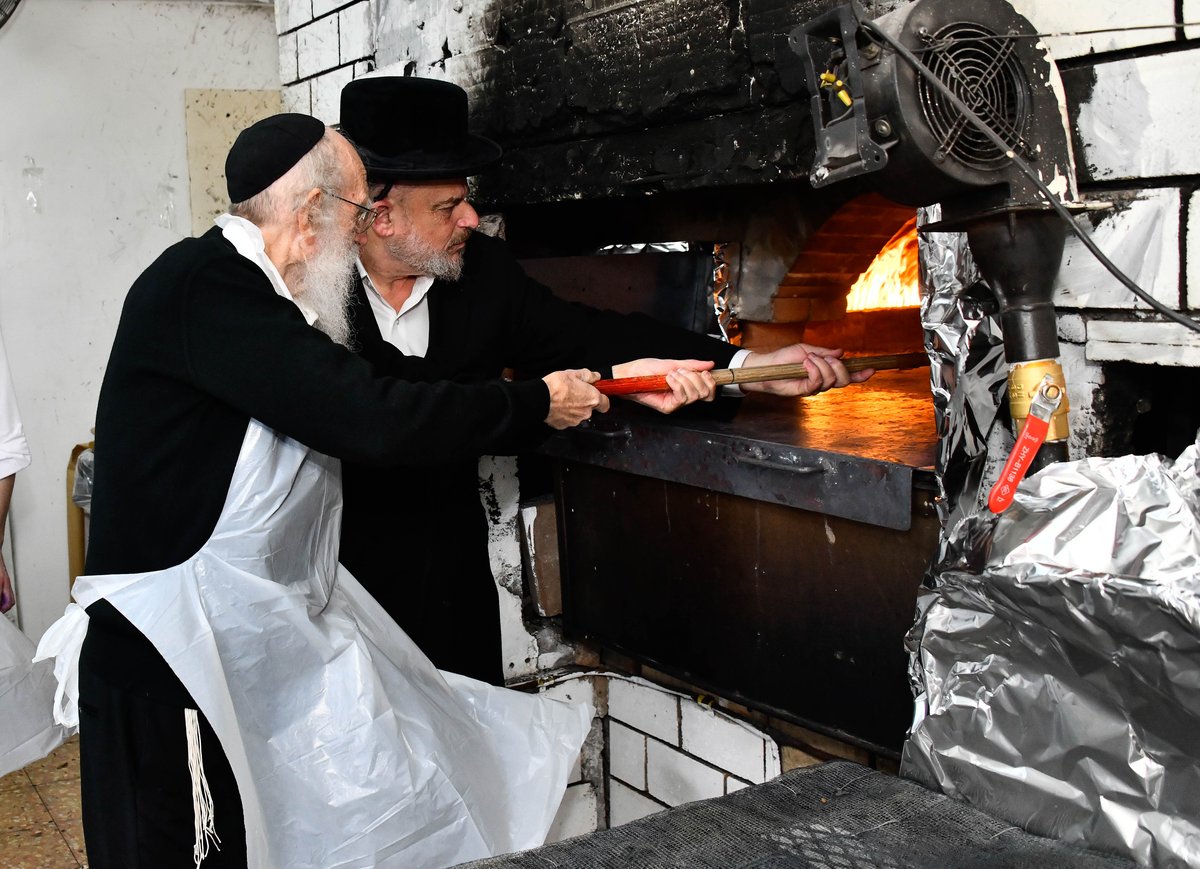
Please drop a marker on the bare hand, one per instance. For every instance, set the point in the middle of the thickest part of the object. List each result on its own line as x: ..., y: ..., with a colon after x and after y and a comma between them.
x: 573, y: 398
x: 7, y: 598
x: 824, y: 366
x: 688, y: 378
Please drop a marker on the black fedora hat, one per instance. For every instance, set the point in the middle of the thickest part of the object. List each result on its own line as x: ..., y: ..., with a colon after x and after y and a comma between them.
x: 413, y: 129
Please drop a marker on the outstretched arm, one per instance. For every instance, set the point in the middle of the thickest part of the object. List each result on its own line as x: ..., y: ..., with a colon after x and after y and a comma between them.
x: 824, y: 367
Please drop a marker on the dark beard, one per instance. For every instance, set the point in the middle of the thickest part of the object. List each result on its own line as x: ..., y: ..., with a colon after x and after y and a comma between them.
x: 327, y: 283
x: 426, y: 259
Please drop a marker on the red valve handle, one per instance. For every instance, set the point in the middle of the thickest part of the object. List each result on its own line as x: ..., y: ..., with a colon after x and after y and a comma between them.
x: 1029, y: 441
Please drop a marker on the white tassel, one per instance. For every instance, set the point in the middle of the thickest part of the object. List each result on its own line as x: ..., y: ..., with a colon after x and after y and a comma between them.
x: 202, y: 802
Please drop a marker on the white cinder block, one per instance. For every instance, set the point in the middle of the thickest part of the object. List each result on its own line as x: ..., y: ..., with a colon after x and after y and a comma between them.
x: 318, y: 46
x: 290, y: 14
x: 1073, y: 16
x: 1142, y: 238
x: 298, y: 98
x: 1193, y: 251
x: 627, y: 754
x: 577, y: 814
x: 573, y: 690
x: 327, y: 94
x: 289, y: 52
x: 324, y: 7
x: 1191, y: 9
x: 723, y: 742
x: 675, y: 778
x: 576, y: 773
x: 734, y: 784
x: 645, y: 708
x: 1149, y: 343
x: 356, y: 40
x: 626, y: 804
x: 1134, y: 125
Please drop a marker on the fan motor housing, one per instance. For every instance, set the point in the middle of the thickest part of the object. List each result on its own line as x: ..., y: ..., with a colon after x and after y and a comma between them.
x: 901, y: 127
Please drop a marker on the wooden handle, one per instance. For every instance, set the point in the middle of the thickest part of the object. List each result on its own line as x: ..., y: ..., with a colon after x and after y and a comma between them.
x: 792, y: 371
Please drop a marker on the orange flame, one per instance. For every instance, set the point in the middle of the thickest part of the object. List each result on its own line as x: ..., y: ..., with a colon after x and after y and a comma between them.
x: 891, y: 279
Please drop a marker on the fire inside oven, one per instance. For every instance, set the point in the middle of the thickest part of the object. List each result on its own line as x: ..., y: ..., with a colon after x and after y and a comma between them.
x: 772, y: 558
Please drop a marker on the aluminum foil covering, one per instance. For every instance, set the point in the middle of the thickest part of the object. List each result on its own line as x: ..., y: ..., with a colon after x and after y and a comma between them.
x: 1062, y: 683
x: 1056, y: 653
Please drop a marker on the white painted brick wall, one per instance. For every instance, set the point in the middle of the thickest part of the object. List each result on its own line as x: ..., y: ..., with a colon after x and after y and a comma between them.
x: 1073, y: 16
x: 625, y: 805
x: 645, y: 708
x: 1193, y: 251
x: 734, y: 784
x: 627, y: 754
x: 318, y: 46
x: 1149, y: 343
x: 290, y: 14
x: 324, y: 7
x: 327, y: 93
x: 676, y: 778
x: 577, y: 814
x: 355, y: 39
x: 1191, y: 12
x: 1137, y: 123
x: 1142, y: 238
x: 298, y: 98
x: 289, y: 58
x: 723, y: 742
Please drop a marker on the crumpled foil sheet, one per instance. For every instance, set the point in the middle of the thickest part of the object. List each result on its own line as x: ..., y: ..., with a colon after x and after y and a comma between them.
x: 1056, y: 654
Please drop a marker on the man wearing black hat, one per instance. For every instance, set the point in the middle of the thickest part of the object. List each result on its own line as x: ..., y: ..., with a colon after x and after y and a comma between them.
x: 215, y: 334
x: 432, y: 287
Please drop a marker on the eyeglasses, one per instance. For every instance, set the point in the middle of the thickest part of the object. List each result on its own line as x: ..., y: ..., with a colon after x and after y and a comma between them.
x: 365, y: 217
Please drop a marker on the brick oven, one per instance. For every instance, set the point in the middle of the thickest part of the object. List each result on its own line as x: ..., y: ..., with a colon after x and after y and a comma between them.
x: 773, y: 559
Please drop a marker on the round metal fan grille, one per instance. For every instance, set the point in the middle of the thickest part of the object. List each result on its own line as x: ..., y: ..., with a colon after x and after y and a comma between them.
x: 6, y: 9
x: 983, y: 71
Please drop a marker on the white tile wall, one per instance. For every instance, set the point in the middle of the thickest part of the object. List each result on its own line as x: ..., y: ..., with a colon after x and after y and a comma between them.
x: 723, y: 742
x: 577, y: 814
x: 1136, y: 124
x: 318, y: 46
x: 1073, y: 16
x: 355, y: 39
x: 626, y: 804
x: 627, y: 754
x: 327, y: 94
x: 645, y: 708
x: 675, y: 778
x: 1142, y: 239
x: 1191, y: 12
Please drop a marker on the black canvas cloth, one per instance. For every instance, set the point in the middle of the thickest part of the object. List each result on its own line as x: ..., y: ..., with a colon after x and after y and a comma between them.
x: 834, y: 816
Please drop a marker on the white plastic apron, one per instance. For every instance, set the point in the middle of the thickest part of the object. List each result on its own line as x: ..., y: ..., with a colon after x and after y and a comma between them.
x: 348, y: 746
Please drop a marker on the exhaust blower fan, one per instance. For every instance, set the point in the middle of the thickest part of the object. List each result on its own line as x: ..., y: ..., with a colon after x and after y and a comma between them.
x: 7, y: 7
x: 874, y: 113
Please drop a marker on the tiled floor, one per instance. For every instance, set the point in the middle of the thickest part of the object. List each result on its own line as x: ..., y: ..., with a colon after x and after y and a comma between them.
x: 41, y: 825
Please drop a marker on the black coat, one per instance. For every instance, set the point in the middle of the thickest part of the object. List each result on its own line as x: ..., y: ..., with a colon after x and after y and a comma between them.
x: 204, y: 344
x: 417, y: 538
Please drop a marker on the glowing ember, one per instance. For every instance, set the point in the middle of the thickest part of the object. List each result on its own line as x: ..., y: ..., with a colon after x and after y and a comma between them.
x: 891, y: 279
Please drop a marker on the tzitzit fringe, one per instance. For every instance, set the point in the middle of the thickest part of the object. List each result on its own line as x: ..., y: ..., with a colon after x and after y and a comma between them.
x: 202, y: 802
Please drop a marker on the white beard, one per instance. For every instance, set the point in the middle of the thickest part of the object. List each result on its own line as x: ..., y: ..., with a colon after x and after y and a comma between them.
x: 326, y: 284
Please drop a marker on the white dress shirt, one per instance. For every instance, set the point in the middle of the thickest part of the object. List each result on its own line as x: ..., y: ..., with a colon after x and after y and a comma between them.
x: 408, y: 328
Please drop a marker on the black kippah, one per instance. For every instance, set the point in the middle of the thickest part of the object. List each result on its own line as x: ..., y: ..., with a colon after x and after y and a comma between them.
x: 265, y: 151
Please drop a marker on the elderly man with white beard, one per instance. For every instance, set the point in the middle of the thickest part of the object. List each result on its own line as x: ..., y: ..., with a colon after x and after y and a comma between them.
x: 216, y: 338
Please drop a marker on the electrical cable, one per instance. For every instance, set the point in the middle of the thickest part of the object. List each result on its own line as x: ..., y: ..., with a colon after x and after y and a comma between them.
x: 925, y: 72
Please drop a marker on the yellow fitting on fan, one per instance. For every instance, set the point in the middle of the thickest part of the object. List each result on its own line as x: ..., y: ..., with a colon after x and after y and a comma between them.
x: 1024, y: 380
x: 829, y: 80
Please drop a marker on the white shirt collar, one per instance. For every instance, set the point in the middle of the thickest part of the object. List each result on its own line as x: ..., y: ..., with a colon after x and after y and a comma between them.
x: 247, y: 240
